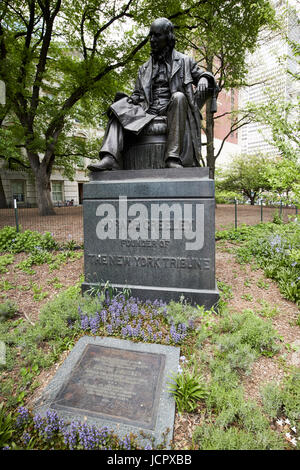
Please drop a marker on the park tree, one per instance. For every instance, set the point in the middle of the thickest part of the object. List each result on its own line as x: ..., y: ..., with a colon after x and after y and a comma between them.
x: 245, y: 174
x: 283, y: 177
x: 225, y: 34
x: 63, y: 61
x: 280, y: 114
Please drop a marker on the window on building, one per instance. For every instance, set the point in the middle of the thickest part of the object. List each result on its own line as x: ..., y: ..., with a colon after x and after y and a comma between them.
x: 18, y: 190
x: 57, y: 191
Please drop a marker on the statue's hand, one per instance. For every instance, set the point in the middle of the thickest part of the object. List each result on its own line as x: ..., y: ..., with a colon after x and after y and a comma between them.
x: 133, y: 99
x: 202, y: 87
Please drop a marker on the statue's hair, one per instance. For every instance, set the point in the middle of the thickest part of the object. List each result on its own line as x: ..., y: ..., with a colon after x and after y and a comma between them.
x: 168, y: 28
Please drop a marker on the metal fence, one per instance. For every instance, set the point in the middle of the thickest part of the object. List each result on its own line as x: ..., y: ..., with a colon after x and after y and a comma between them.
x: 234, y: 215
x: 67, y: 223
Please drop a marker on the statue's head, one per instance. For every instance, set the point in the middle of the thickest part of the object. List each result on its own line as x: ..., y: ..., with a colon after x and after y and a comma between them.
x: 161, y: 35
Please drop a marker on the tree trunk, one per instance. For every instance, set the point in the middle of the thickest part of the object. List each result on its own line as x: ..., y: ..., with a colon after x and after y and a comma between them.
x: 43, y: 192
x: 3, y: 203
x: 210, y: 149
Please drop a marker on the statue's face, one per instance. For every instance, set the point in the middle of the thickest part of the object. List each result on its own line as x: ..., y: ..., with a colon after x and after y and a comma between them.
x: 158, y: 38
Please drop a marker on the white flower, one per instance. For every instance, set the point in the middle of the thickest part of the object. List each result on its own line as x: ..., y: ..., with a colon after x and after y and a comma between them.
x: 280, y: 422
x: 182, y: 358
x: 287, y: 435
x: 294, y: 429
x: 287, y: 421
x: 293, y: 441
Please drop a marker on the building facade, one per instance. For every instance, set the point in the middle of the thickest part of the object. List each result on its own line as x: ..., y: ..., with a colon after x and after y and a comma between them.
x: 269, y: 68
x: 20, y: 185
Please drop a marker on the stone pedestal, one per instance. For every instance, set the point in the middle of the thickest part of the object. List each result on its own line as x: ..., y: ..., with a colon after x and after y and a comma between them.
x: 152, y: 231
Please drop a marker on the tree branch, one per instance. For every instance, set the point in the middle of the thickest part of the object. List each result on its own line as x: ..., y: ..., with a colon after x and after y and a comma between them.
x: 22, y: 76
x: 17, y: 13
x: 19, y: 162
x: 105, y: 26
x: 233, y: 128
x: 49, y: 19
x: 187, y: 10
x: 57, y: 123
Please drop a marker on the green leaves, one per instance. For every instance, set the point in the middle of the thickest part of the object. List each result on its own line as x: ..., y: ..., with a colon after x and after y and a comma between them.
x: 283, y: 175
x: 276, y: 250
x: 28, y: 241
x: 282, y: 118
x: 245, y: 175
x: 6, y: 427
x: 188, y: 389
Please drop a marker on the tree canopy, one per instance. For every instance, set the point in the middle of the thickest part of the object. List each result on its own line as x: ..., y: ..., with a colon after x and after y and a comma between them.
x: 271, y: 177
x: 245, y: 174
x: 63, y: 61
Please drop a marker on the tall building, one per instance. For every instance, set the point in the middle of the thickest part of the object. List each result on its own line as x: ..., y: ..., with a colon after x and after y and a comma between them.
x: 268, y: 69
x: 224, y: 139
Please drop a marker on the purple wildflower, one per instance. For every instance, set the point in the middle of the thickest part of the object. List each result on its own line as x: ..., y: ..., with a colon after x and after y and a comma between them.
x: 85, y: 324
x: 134, y: 309
x: 26, y: 438
x: 95, y: 323
x: 23, y: 416
x: 39, y: 422
x: 70, y: 435
x: 103, y: 315
x: 126, y: 443
x: 52, y: 424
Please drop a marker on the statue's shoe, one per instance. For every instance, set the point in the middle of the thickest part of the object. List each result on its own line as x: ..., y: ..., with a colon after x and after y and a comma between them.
x: 173, y: 163
x: 106, y: 163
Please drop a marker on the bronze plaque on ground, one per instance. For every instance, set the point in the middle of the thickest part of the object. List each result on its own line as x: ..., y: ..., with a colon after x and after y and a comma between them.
x: 114, y: 383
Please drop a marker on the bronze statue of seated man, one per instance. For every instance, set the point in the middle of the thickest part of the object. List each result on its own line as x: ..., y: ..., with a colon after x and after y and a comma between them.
x: 165, y: 86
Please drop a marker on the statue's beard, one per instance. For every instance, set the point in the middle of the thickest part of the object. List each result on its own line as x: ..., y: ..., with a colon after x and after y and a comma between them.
x: 163, y: 55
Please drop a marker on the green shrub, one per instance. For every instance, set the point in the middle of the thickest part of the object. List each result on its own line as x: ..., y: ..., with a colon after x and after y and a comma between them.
x: 182, y: 312
x: 7, y: 310
x: 4, y: 261
x: 284, y: 399
x: 248, y: 328
x: 275, y: 247
x: 224, y: 378
x: 55, y: 331
x: 57, y: 315
x: 7, y: 425
x: 28, y: 241
x: 37, y: 258
x: 239, y: 356
x: 210, y: 437
x: 227, y: 197
x: 224, y: 389
x: 187, y: 389
x: 238, y: 424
